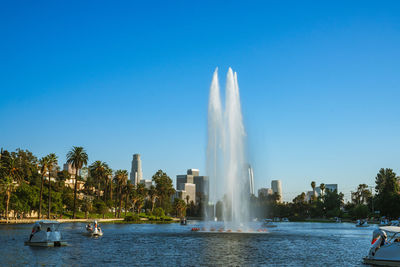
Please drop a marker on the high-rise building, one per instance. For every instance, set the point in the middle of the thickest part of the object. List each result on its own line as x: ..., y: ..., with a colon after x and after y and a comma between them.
x: 136, y: 170
x: 264, y: 192
x: 147, y: 183
x: 277, y: 188
x: 251, y: 180
x: 193, y: 177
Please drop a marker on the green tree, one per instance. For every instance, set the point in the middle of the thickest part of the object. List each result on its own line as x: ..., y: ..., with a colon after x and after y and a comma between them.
x: 179, y: 207
x: 121, y: 178
x: 77, y: 157
x: 362, y: 195
x: 153, y: 196
x: 12, y: 177
x: 52, y: 163
x: 44, y: 166
x: 322, y: 187
x: 387, y: 189
x: 164, y: 188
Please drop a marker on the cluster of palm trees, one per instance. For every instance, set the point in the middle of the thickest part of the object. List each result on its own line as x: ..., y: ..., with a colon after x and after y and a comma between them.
x: 321, y: 187
x: 103, y: 188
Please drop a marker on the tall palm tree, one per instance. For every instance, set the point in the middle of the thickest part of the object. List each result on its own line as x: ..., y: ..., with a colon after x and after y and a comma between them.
x: 153, y: 196
x: 13, y: 176
x: 128, y: 190
x: 43, y: 169
x: 52, y: 163
x: 135, y: 197
x: 77, y: 157
x: 322, y: 187
x: 187, y: 199
x: 121, y: 177
x: 98, y: 170
x: 313, y: 188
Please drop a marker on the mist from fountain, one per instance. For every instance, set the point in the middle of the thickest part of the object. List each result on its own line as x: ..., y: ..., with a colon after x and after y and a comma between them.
x: 226, y: 160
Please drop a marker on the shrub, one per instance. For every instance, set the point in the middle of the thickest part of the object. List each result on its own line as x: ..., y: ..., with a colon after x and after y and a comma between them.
x: 132, y: 218
x: 159, y: 212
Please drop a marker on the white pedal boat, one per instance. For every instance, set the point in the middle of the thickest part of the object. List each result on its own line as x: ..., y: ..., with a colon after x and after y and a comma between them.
x: 45, y: 234
x: 385, y: 251
x: 93, y: 230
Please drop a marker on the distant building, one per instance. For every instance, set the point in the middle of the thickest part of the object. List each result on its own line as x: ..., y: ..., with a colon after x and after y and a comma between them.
x: 264, y: 192
x: 193, y: 177
x: 188, y: 193
x: 71, y: 170
x: 251, y: 179
x: 147, y: 183
x: 331, y: 187
x: 136, y: 170
x: 277, y: 188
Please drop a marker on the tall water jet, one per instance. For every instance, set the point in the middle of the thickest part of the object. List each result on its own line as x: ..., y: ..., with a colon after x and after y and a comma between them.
x: 226, y: 161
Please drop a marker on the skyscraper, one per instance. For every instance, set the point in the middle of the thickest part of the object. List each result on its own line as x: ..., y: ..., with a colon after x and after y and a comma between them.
x: 251, y: 180
x: 136, y: 170
x: 277, y: 188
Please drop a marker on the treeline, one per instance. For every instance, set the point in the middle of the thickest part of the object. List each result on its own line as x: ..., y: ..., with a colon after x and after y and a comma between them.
x: 330, y: 204
x: 29, y: 185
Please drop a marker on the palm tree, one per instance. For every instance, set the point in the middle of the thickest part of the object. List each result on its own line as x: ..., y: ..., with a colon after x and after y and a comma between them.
x: 99, y: 171
x: 128, y: 190
x: 134, y: 198
x: 187, y: 199
x: 313, y: 188
x: 322, y: 187
x: 43, y: 169
x: 142, y: 194
x: 13, y: 176
x: 77, y: 157
x: 153, y: 196
x: 52, y: 162
x: 121, y: 177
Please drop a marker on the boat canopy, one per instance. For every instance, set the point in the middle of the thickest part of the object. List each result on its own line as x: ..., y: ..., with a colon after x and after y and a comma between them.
x: 390, y: 229
x: 47, y: 222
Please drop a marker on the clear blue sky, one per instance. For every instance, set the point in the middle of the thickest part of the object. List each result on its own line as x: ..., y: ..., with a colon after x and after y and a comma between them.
x: 319, y: 81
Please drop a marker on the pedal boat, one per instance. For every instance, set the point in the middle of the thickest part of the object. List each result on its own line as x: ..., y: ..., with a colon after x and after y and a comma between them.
x: 45, y: 233
x: 385, y: 251
x: 93, y: 231
x: 268, y: 223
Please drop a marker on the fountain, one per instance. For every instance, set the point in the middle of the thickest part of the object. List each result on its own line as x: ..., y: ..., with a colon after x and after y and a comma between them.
x: 226, y: 160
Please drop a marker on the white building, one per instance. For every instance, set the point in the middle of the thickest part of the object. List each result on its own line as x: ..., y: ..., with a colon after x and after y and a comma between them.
x: 251, y: 179
x: 147, y: 183
x: 188, y: 194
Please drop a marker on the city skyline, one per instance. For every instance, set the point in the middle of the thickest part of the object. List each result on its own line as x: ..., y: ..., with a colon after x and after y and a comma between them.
x: 318, y: 84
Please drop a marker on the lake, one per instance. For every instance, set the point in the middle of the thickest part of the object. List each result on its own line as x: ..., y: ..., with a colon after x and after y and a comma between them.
x: 290, y: 244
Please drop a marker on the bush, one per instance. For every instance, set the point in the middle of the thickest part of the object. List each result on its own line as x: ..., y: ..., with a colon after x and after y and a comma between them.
x: 166, y: 218
x: 159, y: 212
x: 142, y: 215
x: 132, y: 218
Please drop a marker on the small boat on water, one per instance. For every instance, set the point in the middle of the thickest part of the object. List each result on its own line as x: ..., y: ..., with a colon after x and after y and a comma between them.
x: 268, y: 223
x: 384, y: 222
x: 183, y: 221
x: 384, y: 251
x: 93, y: 230
x: 362, y: 223
x: 45, y: 233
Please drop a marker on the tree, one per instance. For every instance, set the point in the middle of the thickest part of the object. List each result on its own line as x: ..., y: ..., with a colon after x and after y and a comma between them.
x: 52, y: 163
x: 180, y: 207
x: 362, y: 195
x: 12, y: 176
x: 322, y: 187
x: 387, y: 189
x: 187, y: 199
x: 164, y: 189
x: 99, y: 171
x: 128, y: 190
x: 313, y: 188
x: 44, y: 166
x: 77, y: 157
x: 121, y: 177
x: 153, y: 196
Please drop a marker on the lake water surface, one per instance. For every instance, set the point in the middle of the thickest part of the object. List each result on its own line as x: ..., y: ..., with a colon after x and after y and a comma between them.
x: 290, y: 244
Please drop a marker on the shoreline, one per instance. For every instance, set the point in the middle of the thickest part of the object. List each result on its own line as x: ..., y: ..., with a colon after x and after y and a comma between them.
x: 100, y: 220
